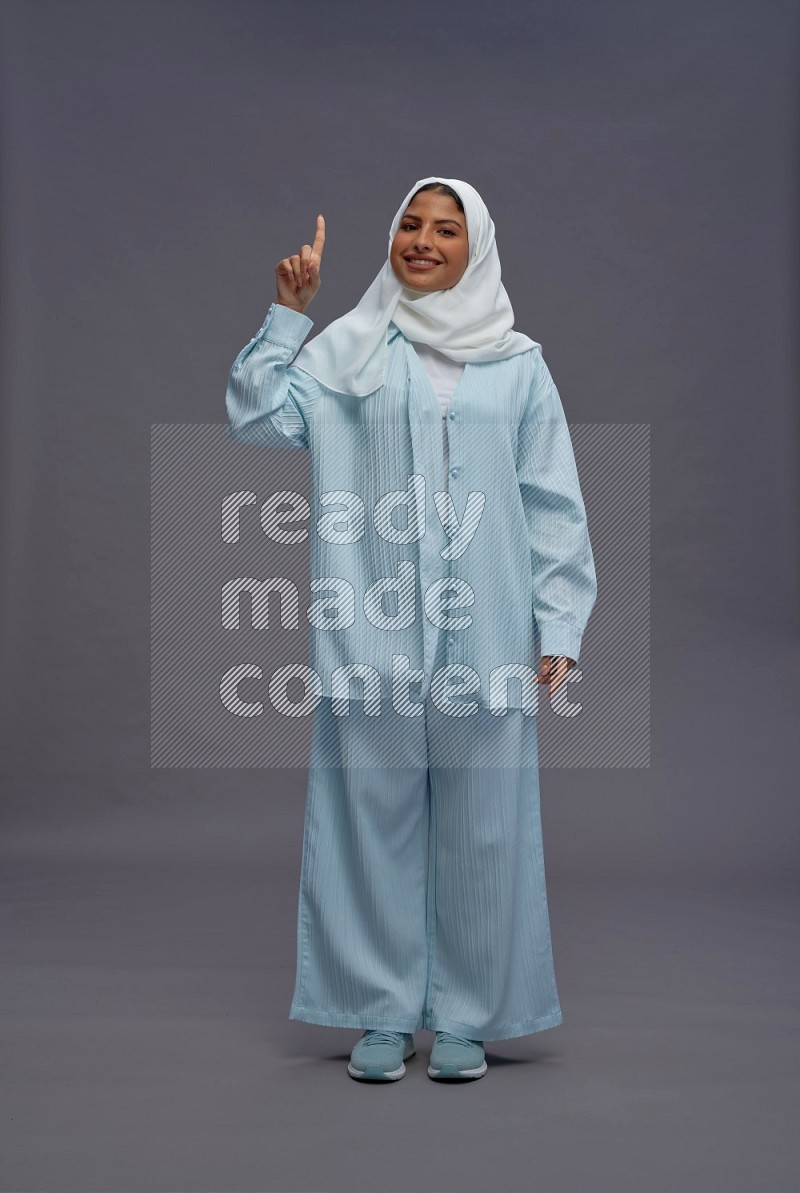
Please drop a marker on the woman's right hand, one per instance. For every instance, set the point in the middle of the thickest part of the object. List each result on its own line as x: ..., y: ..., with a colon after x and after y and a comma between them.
x: 297, y: 277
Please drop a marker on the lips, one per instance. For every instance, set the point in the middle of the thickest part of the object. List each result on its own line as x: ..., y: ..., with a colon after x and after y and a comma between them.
x: 421, y: 263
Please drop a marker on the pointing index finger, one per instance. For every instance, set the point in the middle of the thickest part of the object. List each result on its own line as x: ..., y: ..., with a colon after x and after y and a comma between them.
x: 319, y: 237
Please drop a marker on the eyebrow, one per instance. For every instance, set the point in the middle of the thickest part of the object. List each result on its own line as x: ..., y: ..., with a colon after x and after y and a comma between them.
x: 408, y: 216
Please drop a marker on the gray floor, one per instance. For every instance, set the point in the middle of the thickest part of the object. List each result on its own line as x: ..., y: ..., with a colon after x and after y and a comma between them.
x: 146, y: 1045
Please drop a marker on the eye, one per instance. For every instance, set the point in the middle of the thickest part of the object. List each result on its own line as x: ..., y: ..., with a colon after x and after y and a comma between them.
x: 413, y: 227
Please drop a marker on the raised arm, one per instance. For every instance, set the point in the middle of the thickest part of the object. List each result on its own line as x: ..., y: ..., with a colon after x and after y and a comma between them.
x: 268, y: 402
x: 562, y: 564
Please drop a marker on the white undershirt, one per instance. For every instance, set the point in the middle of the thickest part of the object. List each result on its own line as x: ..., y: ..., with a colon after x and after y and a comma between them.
x: 444, y: 375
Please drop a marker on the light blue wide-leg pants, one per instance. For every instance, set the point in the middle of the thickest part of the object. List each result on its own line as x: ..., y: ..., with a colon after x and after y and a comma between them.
x: 422, y: 899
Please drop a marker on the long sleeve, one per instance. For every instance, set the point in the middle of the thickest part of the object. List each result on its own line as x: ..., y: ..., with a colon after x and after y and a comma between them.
x: 563, y: 574
x: 268, y: 401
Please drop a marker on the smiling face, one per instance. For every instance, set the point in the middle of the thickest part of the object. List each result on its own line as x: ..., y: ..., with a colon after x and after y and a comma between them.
x: 430, y: 250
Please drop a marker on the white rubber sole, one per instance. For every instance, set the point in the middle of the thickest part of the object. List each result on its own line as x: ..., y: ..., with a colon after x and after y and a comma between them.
x: 437, y: 1073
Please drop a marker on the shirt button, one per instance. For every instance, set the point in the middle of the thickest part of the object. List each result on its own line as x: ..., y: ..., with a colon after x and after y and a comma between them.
x: 451, y: 641
x: 454, y: 471
x: 452, y: 413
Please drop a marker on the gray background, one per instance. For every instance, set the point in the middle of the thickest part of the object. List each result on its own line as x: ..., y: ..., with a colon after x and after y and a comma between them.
x: 639, y: 161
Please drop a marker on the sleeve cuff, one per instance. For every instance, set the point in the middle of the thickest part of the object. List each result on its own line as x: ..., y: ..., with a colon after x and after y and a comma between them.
x: 560, y: 637
x: 284, y: 326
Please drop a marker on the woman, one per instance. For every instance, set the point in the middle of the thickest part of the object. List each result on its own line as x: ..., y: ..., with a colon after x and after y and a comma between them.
x: 439, y: 429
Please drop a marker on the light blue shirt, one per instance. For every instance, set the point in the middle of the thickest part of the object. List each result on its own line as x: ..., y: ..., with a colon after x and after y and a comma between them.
x: 499, y: 563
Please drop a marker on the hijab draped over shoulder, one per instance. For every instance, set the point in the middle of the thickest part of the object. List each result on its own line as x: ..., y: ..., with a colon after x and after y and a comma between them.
x: 473, y: 321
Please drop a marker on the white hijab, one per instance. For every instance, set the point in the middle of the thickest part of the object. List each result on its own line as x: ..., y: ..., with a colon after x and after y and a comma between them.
x: 472, y: 321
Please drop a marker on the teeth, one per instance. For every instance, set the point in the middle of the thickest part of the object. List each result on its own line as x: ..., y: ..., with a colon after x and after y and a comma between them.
x: 420, y: 261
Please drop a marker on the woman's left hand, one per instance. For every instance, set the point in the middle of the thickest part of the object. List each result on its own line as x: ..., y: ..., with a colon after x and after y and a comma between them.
x: 553, y: 670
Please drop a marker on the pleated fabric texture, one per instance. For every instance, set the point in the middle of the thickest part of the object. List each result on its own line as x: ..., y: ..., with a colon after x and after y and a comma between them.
x: 423, y: 901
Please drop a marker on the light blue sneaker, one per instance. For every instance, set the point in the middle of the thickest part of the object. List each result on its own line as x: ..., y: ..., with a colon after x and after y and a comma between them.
x: 456, y: 1058
x: 379, y: 1055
